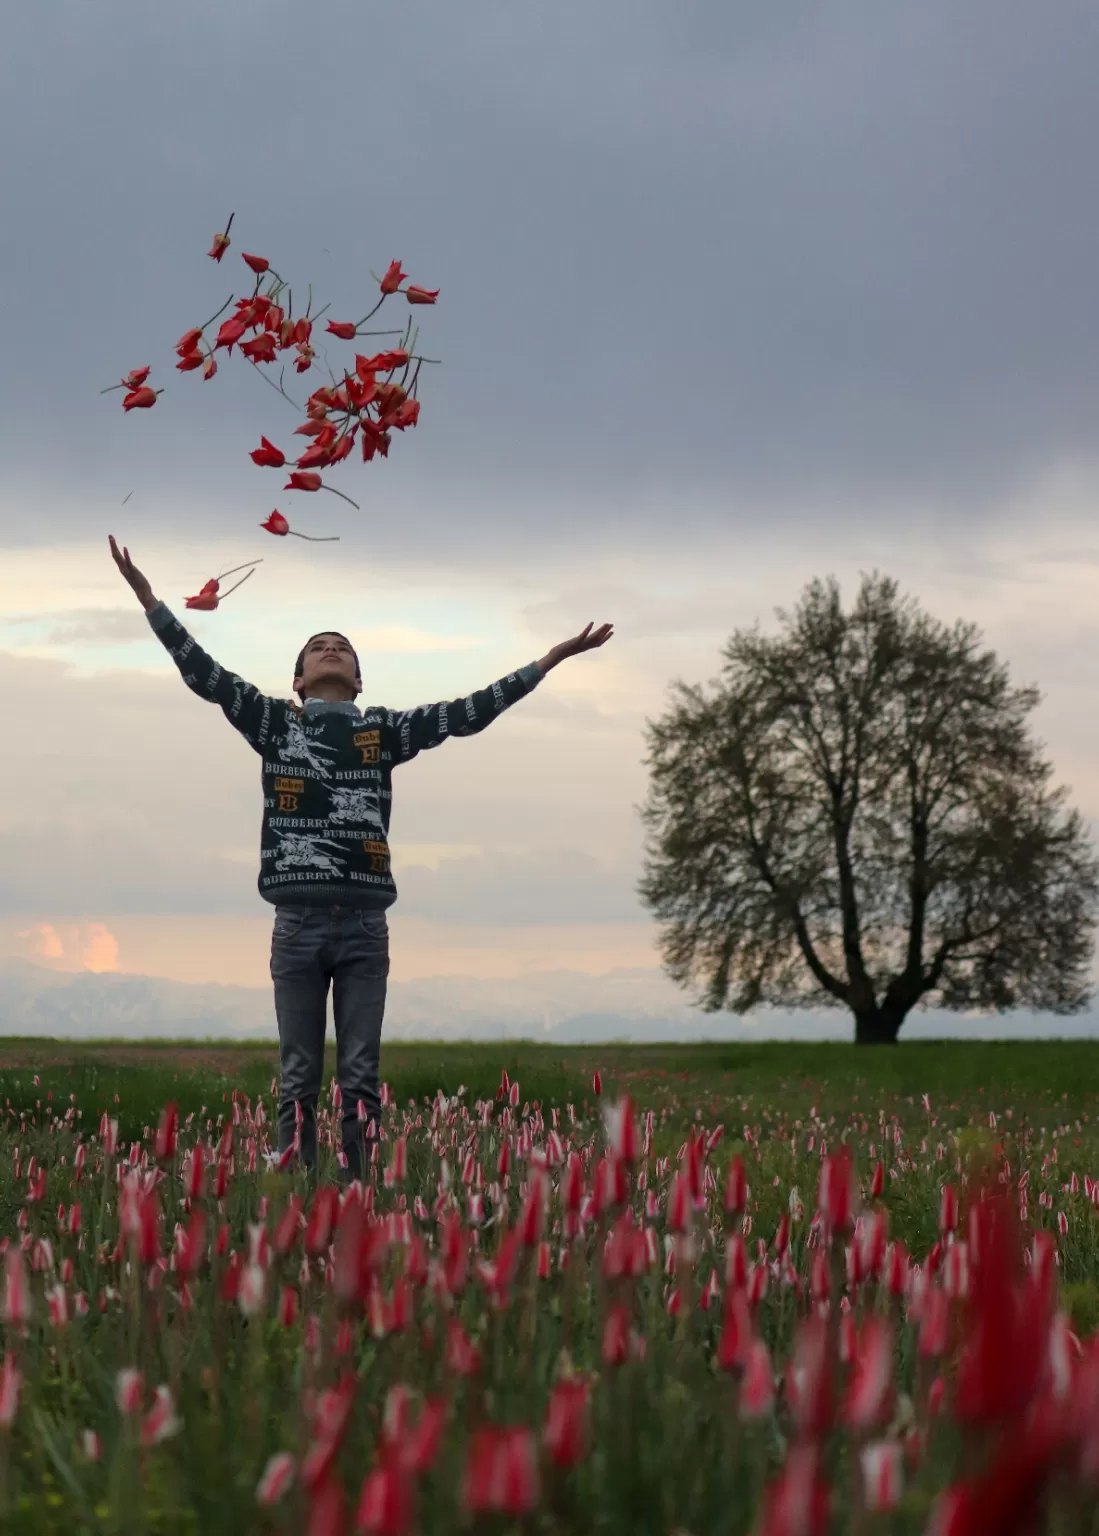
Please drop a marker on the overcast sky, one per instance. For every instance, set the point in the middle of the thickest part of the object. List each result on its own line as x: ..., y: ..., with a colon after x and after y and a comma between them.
x: 731, y: 296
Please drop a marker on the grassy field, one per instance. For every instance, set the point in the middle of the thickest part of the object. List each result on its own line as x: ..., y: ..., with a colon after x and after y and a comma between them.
x: 530, y: 1318
x: 965, y: 1080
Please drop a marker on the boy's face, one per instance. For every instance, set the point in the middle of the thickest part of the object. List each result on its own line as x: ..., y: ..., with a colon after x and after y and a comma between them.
x: 328, y: 659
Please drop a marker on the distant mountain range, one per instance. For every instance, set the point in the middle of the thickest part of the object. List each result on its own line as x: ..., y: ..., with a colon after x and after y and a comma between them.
x: 567, y: 1007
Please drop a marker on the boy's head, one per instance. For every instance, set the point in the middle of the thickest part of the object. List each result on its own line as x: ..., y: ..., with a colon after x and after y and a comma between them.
x: 327, y: 668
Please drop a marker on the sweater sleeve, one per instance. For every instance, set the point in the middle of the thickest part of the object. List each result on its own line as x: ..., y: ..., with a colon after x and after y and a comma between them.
x: 417, y: 730
x: 255, y: 716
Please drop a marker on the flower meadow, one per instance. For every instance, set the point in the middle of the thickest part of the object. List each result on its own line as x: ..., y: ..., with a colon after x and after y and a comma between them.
x: 592, y: 1315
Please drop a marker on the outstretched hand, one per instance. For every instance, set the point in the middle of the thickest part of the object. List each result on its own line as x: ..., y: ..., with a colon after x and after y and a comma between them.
x: 587, y: 640
x: 142, y: 590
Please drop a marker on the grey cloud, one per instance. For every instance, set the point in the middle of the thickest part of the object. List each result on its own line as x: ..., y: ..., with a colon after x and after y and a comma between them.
x: 124, y: 795
x: 564, y: 885
x: 93, y: 626
x: 110, y: 871
x: 696, y: 261
x: 638, y: 615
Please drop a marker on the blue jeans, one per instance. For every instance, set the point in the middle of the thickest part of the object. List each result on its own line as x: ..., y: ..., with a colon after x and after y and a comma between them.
x: 311, y: 948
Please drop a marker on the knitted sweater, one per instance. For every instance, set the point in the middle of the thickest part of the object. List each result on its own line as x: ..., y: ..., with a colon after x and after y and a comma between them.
x: 326, y: 772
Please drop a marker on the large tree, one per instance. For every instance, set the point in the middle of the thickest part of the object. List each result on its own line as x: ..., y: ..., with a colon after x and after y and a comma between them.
x: 858, y: 816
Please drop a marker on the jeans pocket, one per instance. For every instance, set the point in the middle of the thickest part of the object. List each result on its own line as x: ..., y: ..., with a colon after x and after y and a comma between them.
x: 373, y: 924
x: 288, y: 921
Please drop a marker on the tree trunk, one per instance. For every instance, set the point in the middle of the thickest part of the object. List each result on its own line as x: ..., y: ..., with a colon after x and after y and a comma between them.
x: 877, y: 1027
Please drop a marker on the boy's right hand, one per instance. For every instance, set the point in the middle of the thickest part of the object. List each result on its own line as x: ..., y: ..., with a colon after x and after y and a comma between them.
x: 142, y: 590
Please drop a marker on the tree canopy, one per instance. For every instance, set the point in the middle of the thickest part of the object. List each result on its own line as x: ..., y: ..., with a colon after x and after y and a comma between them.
x: 857, y: 815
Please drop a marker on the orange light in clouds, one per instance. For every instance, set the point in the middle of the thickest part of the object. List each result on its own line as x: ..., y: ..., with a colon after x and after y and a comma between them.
x: 79, y: 947
x: 44, y: 943
x: 100, y: 952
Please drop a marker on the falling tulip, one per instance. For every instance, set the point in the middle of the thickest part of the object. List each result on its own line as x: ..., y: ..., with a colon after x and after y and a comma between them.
x: 416, y: 295
x: 408, y: 414
x: 341, y: 328
x: 139, y: 399
x: 382, y: 362
x: 276, y: 523
x: 393, y: 278
x: 303, y: 481
x: 319, y: 453
x: 231, y: 331
x: 221, y: 242
x: 267, y: 455
x: 259, y: 264
x: 260, y: 349
x: 209, y: 596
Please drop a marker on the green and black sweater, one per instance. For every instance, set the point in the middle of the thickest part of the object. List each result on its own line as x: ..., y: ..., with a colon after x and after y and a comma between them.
x: 327, y: 768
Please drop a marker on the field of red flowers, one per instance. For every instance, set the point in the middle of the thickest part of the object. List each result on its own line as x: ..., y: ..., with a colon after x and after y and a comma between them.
x: 601, y: 1295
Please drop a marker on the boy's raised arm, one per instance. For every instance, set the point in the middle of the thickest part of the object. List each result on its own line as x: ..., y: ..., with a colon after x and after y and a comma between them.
x: 252, y: 713
x: 427, y: 725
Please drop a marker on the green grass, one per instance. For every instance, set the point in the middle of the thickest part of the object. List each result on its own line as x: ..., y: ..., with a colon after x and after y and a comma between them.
x: 965, y: 1080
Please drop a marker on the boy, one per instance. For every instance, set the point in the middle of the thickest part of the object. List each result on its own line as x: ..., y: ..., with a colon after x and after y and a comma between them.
x: 324, y: 851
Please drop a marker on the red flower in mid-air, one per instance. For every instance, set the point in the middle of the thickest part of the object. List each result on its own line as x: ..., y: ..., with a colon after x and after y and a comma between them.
x: 341, y: 328
x: 261, y: 348
x: 231, y: 331
x: 267, y: 455
x: 219, y: 247
x: 408, y: 414
x: 303, y: 480
x: 139, y: 399
x: 259, y: 264
x: 382, y: 362
x: 393, y: 278
x: 207, y: 598
x: 416, y: 295
x: 276, y: 523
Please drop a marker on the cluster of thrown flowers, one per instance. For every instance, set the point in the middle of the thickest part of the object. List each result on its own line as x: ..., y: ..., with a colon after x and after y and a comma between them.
x: 506, y: 1197
x: 374, y: 397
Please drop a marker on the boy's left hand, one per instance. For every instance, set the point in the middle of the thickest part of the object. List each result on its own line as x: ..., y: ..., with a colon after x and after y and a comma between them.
x: 587, y: 640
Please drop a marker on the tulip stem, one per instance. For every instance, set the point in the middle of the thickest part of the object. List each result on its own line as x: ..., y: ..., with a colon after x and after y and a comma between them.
x: 237, y: 568
x: 334, y: 491
x: 278, y: 387
x: 374, y: 311
x: 221, y: 311
x: 223, y: 595
x: 315, y: 538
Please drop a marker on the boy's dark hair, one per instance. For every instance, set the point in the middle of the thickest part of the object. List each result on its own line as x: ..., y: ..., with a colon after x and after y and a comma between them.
x: 300, y: 663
